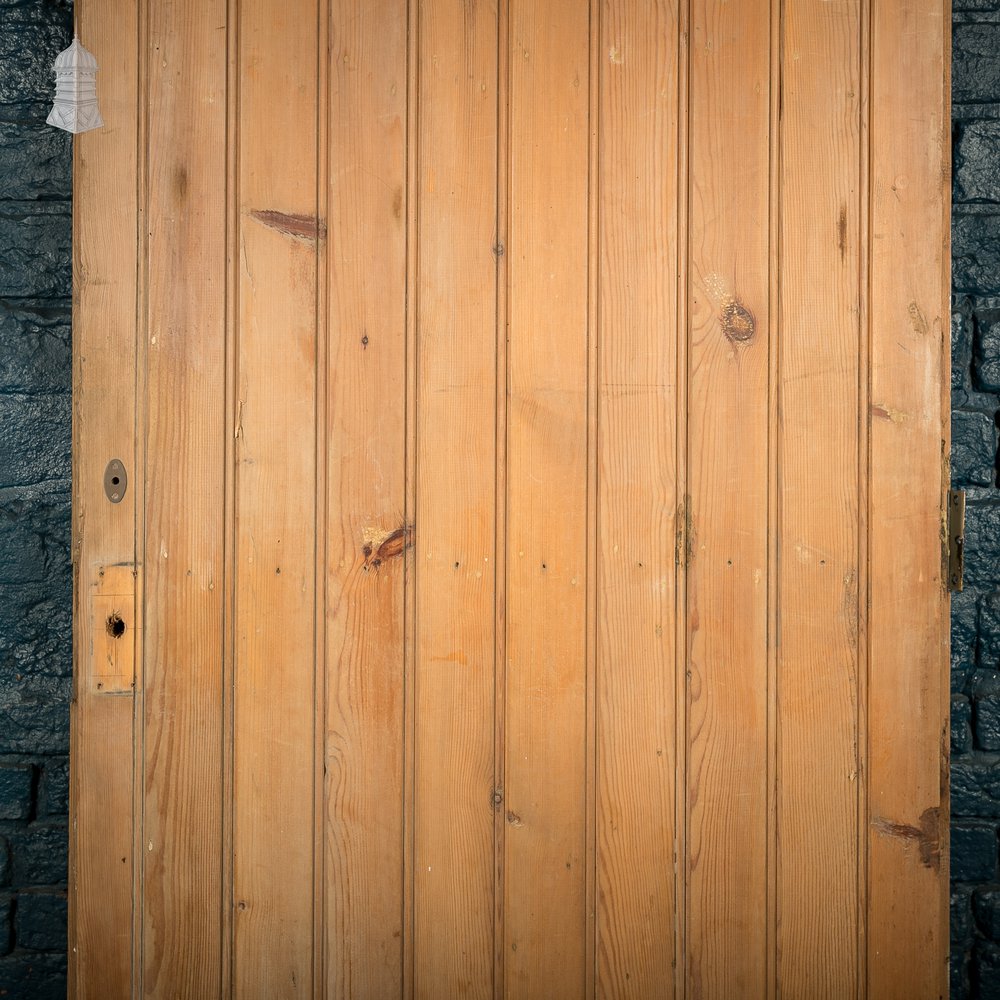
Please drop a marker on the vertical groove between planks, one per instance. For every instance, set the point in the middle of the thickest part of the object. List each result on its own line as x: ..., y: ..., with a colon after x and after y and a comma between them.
x: 593, y: 485
x: 681, y: 504
x: 229, y: 571
x: 501, y: 390
x: 322, y: 512
x: 773, y: 859
x: 864, y: 474
x: 409, y: 499
x: 141, y: 437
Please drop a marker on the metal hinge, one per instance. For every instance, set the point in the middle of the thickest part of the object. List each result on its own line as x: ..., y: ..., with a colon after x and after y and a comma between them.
x: 956, y: 539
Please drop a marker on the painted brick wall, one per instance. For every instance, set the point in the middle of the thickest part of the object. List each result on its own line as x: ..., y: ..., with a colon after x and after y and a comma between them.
x: 975, y: 742
x: 35, y: 378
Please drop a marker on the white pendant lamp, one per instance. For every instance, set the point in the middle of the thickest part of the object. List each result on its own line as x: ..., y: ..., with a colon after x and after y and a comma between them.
x: 75, y: 108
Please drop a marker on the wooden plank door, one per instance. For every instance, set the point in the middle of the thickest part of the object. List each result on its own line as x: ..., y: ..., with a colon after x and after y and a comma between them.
x: 524, y: 575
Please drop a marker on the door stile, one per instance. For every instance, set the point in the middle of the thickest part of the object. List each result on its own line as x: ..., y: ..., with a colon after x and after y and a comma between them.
x: 909, y: 330
x: 102, y: 856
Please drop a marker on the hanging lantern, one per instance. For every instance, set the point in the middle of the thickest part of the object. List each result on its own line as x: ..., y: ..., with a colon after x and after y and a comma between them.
x: 75, y: 108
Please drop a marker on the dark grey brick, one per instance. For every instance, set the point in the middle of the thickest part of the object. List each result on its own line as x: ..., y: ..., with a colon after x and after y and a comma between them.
x: 958, y: 975
x: 975, y: 66
x: 38, y: 854
x: 6, y: 925
x: 34, y: 439
x: 34, y: 161
x: 975, y: 253
x: 975, y: 786
x: 986, y: 346
x: 35, y: 638
x: 16, y: 786
x: 961, y: 349
x: 986, y: 906
x: 977, y: 162
x: 40, y: 923
x: 961, y: 724
x: 33, y: 533
x: 35, y: 32
x: 4, y: 861
x: 964, y: 636
x: 34, y: 713
x: 973, y: 851
x: 986, y: 970
x: 986, y: 724
x: 35, y: 348
x: 982, y: 545
x: 53, y: 788
x: 36, y: 237
x: 962, y: 923
x: 33, y: 975
x: 973, y: 449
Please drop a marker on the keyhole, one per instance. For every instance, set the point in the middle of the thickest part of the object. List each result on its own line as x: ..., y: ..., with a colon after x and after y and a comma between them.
x: 115, y: 626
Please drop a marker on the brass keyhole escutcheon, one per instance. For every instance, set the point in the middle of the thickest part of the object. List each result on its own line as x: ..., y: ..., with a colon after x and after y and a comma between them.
x: 115, y: 480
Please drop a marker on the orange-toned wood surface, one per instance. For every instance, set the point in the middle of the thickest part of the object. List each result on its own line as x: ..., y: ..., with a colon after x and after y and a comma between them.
x: 908, y: 342
x: 454, y: 515
x: 276, y: 246
x: 366, y: 533
x: 637, y: 503
x: 530, y: 568
x: 729, y: 330
x: 818, y: 779
x: 102, y: 855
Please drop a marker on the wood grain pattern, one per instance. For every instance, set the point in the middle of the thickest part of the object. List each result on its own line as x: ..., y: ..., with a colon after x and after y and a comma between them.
x: 636, y: 622
x: 369, y: 203
x: 105, y: 171
x: 909, y: 331
x: 818, y: 463
x: 275, y: 432
x: 537, y: 420
x: 727, y: 551
x: 182, y: 888
x: 546, y: 843
x: 455, y: 501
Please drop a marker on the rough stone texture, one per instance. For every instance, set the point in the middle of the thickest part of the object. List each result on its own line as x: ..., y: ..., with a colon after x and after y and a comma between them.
x: 41, y: 920
x: 961, y: 724
x: 977, y: 152
x: 35, y: 584
x: 975, y: 380
x: 16, y: 790
x: 974, y: 850
x: 975, y: 66
x: 986, y: 904
x: 974, y: 448
x: 986, y: 970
